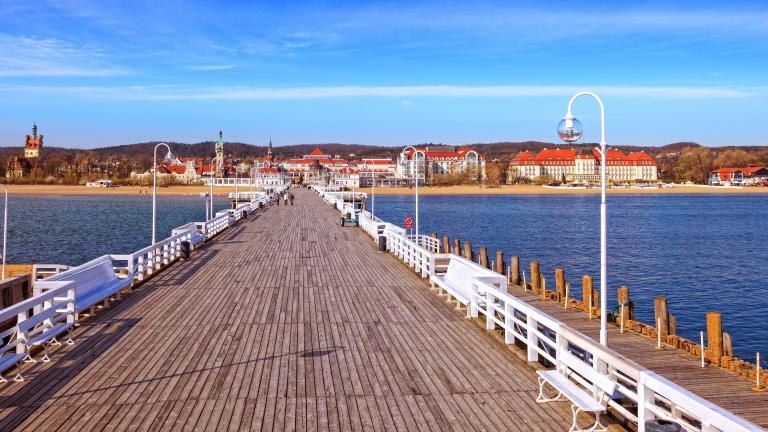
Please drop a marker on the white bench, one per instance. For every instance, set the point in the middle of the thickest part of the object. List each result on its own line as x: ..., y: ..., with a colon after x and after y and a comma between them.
x: 196, y: 237
x: 95, y: 281
x: 581, y: 400
x: 44, y: 328
x: 55, y: 315
x: 460, y: 276
x: 9, y: 357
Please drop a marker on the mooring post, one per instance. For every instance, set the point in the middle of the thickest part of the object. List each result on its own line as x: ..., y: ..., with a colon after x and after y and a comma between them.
x: 661, y: 315
x: 535, y: 277
x: 727, y: 345
x: 484, y: 257
x: 500, y: 262
x: 586, y: 292
x: 672, y: 325
x: 468, y: 254
x: 715, y: 336
x: 514, y: 270
x: 456, y: 247
x: 446, y: 244
x: 560, y: 283
x: 624, y: 299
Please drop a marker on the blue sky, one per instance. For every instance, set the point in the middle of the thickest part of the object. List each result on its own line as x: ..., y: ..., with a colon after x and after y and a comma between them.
x: 100, y: 73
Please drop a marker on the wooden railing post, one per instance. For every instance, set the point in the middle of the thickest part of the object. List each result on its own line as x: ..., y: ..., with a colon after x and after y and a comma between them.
x: 535, y: 277
x: 500, y: 262
x: 560, y: 283
x: 483, y: 261
x: 514, y: 270
x: 715, y: 336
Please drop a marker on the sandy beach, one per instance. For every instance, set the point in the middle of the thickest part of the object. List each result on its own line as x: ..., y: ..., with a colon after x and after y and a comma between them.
x: 119, y: 190
x: 541, y: 190
x: 435, y: 190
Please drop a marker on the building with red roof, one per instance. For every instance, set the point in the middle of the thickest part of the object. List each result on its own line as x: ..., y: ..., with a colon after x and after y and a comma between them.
x: 751, y: 174
x: 584, y: 166
x: 32, y: 158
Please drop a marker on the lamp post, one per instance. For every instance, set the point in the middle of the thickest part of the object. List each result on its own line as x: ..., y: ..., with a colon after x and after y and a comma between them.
x: 373, y: 189
x: 168, y: 156
x: 213, y: 177
x: 570, y: 130
x: 5, y: 227
x: 416, y: 176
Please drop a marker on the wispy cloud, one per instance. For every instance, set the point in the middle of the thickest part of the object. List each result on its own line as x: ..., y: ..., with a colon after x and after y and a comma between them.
x: 209, y: 68
x: 446, y: 91
x: 35, y: 56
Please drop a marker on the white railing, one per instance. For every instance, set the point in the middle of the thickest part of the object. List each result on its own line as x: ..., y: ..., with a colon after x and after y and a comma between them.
x: 545, y: 336
x: 153, y: 258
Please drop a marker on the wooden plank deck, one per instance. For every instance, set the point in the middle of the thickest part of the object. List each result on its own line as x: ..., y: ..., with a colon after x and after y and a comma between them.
x: 285, y: 322
x: 729, y: 390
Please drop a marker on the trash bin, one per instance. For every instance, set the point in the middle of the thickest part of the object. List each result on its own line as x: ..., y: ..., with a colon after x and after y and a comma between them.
x: 659, y: 425
x: 382, y: 243
x: 185, y: 249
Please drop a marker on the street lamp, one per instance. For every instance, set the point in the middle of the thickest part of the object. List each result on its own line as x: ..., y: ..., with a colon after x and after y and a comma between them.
x: 212, y: 179
x: 5, y: 227
x: 167, y: 157
x: 373, y: 189
x: 570, y: 130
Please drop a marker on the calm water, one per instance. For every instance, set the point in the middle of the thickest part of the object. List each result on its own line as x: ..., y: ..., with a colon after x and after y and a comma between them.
x: 702, y: 252
x: 75, y: 229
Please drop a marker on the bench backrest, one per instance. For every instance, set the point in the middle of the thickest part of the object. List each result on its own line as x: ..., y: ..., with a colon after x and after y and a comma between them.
x: 461, y: 271
x: 573, y: 364
x: 88, y: 275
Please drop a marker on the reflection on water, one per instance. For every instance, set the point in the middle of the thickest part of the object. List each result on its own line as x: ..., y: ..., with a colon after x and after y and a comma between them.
x: 703, y: 252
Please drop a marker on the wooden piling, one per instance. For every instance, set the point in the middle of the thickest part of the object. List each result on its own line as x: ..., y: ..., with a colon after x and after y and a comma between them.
x: 560, y: 283
x: 661, y: 315
x: 586, y: 290
x: 535, y: 277
x: 500, y: 262
x: 483, y: 259
x: 715, y: 336
x: 468, y: 253
x: 624, y: 299
x: 727, y: 345
x: 514, y: 270
x: 446, y: 244
x: 672, y: 325
x: 456, y: 247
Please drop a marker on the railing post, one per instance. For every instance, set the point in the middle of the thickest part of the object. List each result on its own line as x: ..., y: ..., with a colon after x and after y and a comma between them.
x: 509, y: 313
x: 489, y: 312
x: 531, y: 339
x: 472, y: 309
x: 644, y: 400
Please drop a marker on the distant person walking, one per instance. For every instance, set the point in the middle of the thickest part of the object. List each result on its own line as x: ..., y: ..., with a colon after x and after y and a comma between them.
x: 285, y: 197
x: 278, y: 199
x: 290, y: 196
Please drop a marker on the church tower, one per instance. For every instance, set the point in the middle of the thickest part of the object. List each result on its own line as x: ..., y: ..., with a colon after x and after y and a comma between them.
x: 33, y: 147
x: 220, y: 156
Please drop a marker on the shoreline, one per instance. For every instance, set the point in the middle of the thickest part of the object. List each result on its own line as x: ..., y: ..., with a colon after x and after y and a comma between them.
x: 426, y: 190
x: 541, y: 190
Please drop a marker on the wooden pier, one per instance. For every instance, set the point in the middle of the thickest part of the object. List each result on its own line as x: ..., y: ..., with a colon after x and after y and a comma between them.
x: 285, y: 321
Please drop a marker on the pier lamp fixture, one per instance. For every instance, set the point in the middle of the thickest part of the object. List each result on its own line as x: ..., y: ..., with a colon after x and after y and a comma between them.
x: 5, y: 227
x: 570, y: 130
x: 415, y: 169
x: 168, y: 157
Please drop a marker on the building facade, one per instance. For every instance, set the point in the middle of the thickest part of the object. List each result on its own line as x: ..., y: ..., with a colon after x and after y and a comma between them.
x: 583, y: 166
x: 429, y: 161
x: 32, y: 158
